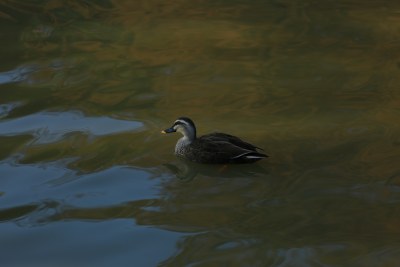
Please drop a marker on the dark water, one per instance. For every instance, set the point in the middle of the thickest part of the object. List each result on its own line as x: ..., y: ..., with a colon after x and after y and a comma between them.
x: 87, y: 179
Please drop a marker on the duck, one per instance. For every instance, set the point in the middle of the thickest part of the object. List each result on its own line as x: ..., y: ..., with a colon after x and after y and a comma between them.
x: 213, y: 148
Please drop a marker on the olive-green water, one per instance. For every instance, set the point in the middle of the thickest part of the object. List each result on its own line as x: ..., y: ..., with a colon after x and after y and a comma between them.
x: 86, y: 178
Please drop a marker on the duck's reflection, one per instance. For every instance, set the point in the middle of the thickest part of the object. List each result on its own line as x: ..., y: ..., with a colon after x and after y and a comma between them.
x: 186, y: 170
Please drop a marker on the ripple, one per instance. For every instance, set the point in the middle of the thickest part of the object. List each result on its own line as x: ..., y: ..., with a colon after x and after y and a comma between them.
x: 5, y: 109
x: 39, y: 194
x: 18, y: 74
x: 49, y: 127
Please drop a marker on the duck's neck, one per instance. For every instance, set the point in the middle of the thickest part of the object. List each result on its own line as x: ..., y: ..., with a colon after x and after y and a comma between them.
x: 182, y: 144
x: 188, y: 137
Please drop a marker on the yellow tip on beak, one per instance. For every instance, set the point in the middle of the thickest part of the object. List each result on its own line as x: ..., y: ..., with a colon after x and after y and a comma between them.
x: 163, y: 132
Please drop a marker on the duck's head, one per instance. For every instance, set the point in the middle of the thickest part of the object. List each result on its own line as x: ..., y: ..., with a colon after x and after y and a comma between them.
x: 185, y: 126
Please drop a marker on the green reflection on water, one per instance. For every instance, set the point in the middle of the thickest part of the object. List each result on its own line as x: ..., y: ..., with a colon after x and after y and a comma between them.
x: 315, y: 84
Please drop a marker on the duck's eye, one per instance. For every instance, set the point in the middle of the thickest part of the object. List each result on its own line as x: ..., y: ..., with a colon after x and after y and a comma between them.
x: 177, y: 124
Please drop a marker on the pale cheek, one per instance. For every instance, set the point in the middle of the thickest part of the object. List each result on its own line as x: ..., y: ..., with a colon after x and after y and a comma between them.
x: 182, y: 131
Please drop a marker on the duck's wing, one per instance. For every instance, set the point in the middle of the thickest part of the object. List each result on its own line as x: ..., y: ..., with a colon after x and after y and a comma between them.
x: 223, y: 137
x: 217, y: 151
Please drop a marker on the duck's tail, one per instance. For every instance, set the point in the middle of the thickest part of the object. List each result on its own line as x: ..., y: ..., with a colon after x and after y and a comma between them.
x: 249, y: 157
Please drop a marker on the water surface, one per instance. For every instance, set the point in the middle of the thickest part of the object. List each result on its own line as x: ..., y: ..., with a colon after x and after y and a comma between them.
x: 86, y: 178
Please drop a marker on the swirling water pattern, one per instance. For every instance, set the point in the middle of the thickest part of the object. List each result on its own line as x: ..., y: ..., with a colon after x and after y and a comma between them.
x: 86, y: 178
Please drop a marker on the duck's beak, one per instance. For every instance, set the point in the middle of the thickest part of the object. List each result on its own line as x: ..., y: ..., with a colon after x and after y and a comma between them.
x: 169, y: 130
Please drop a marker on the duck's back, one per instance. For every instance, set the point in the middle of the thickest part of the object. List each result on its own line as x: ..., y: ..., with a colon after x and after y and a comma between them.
x: 231, y: 139
x: 220, y: 148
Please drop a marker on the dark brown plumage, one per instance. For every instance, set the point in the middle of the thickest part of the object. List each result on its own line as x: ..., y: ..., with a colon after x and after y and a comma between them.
x: 214, y: 148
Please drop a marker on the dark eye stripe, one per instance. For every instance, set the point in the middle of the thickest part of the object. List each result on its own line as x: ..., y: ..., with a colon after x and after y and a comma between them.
x: 180, y: 123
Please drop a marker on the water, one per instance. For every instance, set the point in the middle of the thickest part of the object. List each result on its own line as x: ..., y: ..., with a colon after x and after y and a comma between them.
x: 87, y: 179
